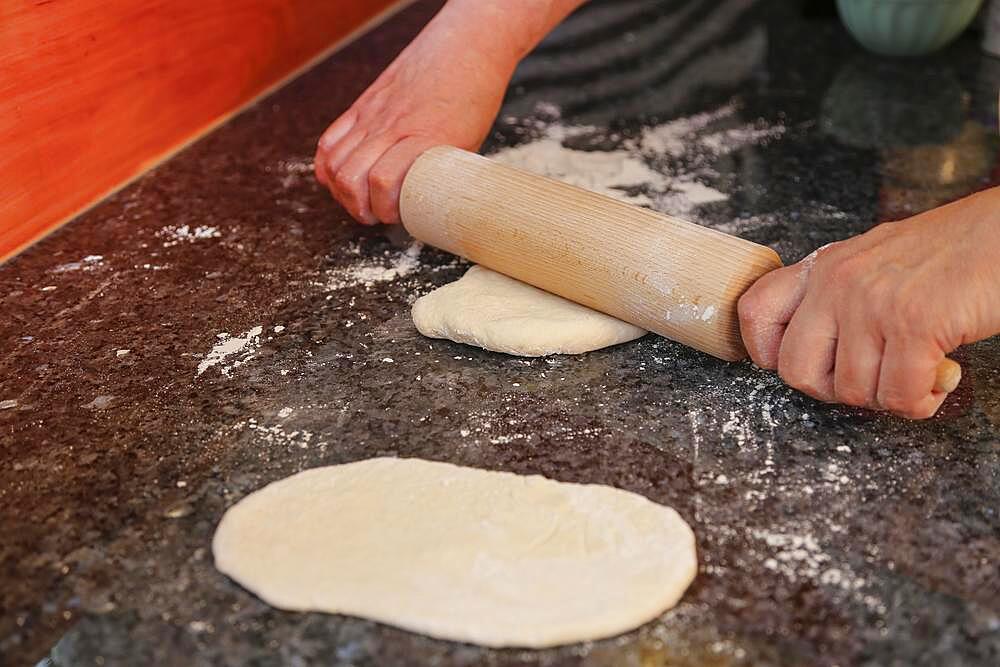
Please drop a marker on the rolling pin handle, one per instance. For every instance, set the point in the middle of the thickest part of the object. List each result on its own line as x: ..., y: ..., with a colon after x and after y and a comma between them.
x: 949, y: 374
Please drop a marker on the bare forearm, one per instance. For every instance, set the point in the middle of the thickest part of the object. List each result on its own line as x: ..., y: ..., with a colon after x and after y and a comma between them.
x: 504, y: 29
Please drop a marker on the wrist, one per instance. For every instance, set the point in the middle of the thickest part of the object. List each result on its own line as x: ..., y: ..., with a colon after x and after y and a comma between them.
x: 980, y: 238
x: 504, y: 31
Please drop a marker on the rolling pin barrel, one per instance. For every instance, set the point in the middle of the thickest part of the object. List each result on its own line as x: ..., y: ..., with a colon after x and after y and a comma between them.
x: 664, y: 274
x: 661, y: 273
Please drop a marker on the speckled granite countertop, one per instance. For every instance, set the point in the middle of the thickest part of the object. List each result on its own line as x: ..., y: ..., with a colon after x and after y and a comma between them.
x: 219, y: 325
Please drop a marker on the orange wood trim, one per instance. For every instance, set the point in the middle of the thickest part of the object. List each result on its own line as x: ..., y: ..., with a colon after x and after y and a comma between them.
x: 94, y: 92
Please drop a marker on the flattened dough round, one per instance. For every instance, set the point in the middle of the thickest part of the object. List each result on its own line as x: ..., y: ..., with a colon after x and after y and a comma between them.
x: 458, y: 553
x: 496, y: 312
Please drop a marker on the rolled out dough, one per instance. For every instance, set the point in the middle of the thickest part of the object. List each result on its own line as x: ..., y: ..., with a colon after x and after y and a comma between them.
x: 496, y: 312
x: 458, y: 553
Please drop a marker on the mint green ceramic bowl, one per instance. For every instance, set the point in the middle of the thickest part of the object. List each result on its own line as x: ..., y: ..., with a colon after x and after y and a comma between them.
x: 906, y: 27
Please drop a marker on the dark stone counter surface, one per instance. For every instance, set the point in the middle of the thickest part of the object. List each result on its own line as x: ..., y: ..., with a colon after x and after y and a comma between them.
x: 219, y: 324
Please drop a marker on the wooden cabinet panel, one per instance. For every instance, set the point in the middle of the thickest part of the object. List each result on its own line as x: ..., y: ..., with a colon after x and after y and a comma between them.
x: 94, y: 91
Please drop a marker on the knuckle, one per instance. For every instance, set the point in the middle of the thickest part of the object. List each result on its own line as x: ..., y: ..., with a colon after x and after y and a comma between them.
x: 920, y: 413
x: 895, y: 402
x: 882, y: 229
x: 847, y: 272
x: 806, y: 383
x: 318, y: 169
x: 914, y: 411
x: 329, y: 164
x: 827, y: 256
x: 748, y: 306
x: 385, y: 210
x: 852, y: 396
x: 810, y: 388
x: 795, y: 378
x: 325, y: 143
x: 381, y: 178
x: 346, y: 180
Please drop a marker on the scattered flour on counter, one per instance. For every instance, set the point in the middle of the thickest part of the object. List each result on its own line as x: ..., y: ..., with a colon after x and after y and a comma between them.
x: 694, y: 138
x: 100, y: 402
x: 609, y: 173
x: 293, y: 171
x: 369, y: 272
x: 800, y: 557
x: 739, y: 225
x: 302, y: 166
x: 236, y: 349
x: 726, y: 141
x: 673, y: 137
x: 795, y: 556
x: 275, y: 435
x: 88, y: 263
x: 748, y: 414
x: 808, y: 210
x: 186, y: 234
x: 685, y: 195
x: 667, y: 167
x: 402, y: 266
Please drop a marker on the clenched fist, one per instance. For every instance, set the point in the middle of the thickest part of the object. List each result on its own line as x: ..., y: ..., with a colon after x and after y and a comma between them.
x: 866, y: 321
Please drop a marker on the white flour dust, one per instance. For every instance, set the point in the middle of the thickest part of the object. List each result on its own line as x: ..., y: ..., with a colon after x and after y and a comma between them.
x: 371, y: 271
x: 747, y: 415
x: 799, y: 556
x: 688, y: 312
x: 276, y: 434
x: 806, y: 210
x: 88, y: 263
x: 270, y: 437
x: 233, y: 350
x: 293, y: 171
x: 668, y: 167
x: 609, y: 173
x: 175, y: 234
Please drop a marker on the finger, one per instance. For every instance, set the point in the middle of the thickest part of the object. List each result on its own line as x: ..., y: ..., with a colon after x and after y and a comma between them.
x: 765, y: 310
x: 328, y: 140
x: 338, y: 130
x: 335, y: 158
x: 906, y: 379
x: 350, y: 182
x: 385, y: 180
x: 857, y: 364
x: 808, y: 351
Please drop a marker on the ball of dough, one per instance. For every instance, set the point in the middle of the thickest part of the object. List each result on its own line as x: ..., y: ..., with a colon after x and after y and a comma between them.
x: 495, y: 312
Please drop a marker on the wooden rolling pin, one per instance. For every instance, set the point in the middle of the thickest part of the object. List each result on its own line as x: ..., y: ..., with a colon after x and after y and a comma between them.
x: 664, y: 274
